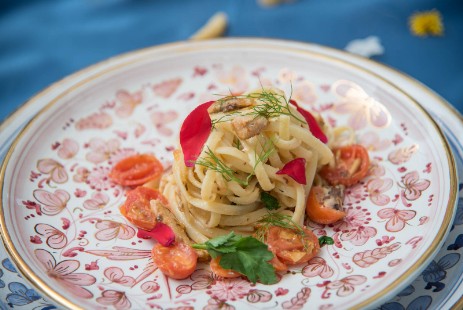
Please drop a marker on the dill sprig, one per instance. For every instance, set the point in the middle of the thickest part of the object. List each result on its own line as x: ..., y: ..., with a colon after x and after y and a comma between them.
x: 212, y: 162
x: 277, y: 219
x: 273, y: 105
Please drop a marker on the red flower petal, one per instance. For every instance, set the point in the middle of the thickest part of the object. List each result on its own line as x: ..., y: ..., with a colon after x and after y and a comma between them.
x: 295, y: 169
x: 312, y: 122
x: 162, y: 233
x: 194, y: 132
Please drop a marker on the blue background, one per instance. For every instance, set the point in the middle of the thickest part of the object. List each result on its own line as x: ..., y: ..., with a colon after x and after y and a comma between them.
x: 42, y: 41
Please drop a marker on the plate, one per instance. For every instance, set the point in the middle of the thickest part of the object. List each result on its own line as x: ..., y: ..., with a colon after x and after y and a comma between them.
x: 60, y: 217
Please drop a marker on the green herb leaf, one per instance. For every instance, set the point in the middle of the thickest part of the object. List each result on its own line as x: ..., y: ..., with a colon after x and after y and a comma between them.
x: 325, y: 240
x: 246, y: 255
x: 270, y: 202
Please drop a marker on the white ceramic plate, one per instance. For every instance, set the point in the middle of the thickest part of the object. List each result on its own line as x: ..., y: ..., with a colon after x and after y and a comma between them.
x: 59, y: 210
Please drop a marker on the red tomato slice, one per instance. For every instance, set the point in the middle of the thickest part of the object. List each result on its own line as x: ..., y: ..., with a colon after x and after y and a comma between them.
x: 324, y: 204
x: 291, y: 248
x: 220, y: 271
x: 351, y: 165
x: 177, y: 261
x: 136, y: 170
x: 137, y: 208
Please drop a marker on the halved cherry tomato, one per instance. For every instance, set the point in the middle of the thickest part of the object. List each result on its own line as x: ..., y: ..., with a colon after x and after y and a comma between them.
x: 220, y: 271
x: 177, y: 261
x: 136, y: 170
x: 324, y: 204
x: 137, y: 208
x: 351, y: 165
x: 290, y: 247
x: 276, y: 262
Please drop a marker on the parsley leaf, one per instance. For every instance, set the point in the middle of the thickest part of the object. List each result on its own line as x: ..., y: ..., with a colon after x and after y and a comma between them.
x: 325, y: 240
x: 246, y: 255
x: 270, y: 202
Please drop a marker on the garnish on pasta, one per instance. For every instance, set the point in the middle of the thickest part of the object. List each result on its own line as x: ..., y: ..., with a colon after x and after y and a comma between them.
x: 249, y: 172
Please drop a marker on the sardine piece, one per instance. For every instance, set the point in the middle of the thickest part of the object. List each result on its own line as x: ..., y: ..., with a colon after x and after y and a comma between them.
x: 248, y: 126
x: 228, y: 104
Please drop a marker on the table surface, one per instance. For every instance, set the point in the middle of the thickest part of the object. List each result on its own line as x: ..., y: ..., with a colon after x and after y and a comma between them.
x: 43, y: 41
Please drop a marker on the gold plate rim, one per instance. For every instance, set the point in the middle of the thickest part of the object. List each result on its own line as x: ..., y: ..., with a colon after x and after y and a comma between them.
x: 185, y: 46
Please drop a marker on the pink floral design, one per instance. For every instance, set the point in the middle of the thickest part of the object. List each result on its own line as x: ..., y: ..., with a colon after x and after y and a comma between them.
x: 304, y: 92
x: 216, y: 304
x: 358, y: 236
x: 346, y: 286
x: 56, y: 239
x: 317, y: 266
x: 160, y: 119
x: 372, y: 141
x: 413, y: 186
x: 52, y: 203
x: 377, y: 188
x: 167, y: 88
x: 355, y: 217
x: 355, y: 193
x: 229, y: 289
x: 287, y: 76
x: 403, y: 155
x: 116, y: 299
x: 98, y: 179
x: 63, y: 272
x: 108, y: 230
x: 68, y: 149
x: 116, y: 275
x: 128, y: 101
x: 101, y: 150
x: 81, y: 175
x: 376, y: 169
x: 99, y: 120
x: 98, y: 201
x: 396, y: 218
x: 234, y: 79
x: 120, y: 154
x: 255, y: 296
x: 362, y: 108
x: 281, y: 291
x: 54, y: 169
x: 150, y: 287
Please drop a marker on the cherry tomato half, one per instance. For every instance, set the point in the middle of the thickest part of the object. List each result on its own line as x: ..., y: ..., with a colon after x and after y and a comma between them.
x: 351, y: 165
x: 290, y: 247
x: 137, y: 208
x: 177, y: 261
x: 324, y: 204
x: 222, y: 272
x: 136, y: 170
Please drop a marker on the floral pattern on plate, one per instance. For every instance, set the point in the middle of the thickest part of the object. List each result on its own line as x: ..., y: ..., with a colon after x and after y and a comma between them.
x: 80, y: 240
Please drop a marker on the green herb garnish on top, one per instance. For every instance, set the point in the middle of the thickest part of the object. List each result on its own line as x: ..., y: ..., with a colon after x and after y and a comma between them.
x: 246, y: 255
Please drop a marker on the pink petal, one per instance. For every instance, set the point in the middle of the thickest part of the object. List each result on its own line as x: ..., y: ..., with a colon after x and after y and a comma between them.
x: 411, y: 177
x: 59, y: 175
x: 380, y: 200
x: 47, y: 260
x: 379, y: 115
x: 406, y: 214
x: 114, y: 298
x: 312, y: 122
x: 194, y: 132
x: 47, y: 165
x: 55, y: 238
x: 358, y: 120
x: 75, y: 289
x: 68, y: 149
x: 386, y: 213
x: 355, y: 280
x: 80, y: 279
x: 395, y: 224
x: 345, y: 290
x: 52, y: 203
x: 162, y: 233
x: 66, y: 267
x: 296, y: 170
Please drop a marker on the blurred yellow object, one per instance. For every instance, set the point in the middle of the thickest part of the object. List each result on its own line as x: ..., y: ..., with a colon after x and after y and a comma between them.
x: 215, y: 27
x: 426, y: 23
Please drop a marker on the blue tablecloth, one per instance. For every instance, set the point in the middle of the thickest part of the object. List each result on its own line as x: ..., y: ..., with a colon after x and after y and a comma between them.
x: 42, y: 41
